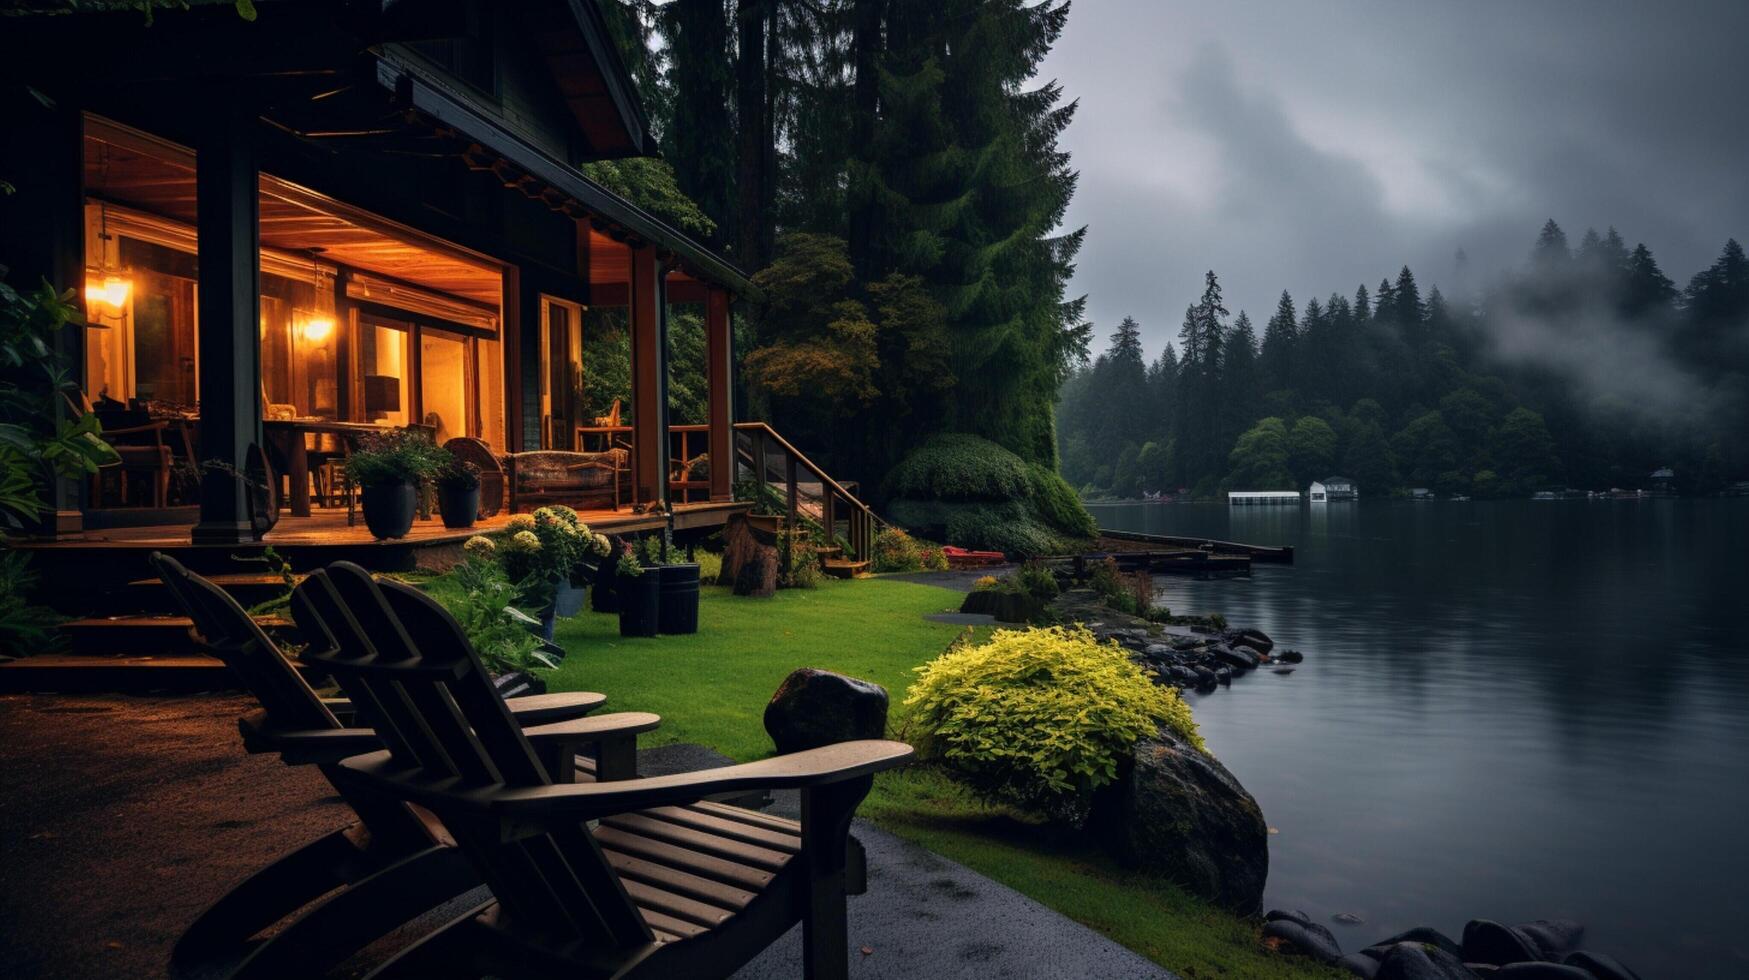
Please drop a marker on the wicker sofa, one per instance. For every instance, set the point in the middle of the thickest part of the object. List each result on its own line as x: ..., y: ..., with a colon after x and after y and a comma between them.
x: 524, y: 481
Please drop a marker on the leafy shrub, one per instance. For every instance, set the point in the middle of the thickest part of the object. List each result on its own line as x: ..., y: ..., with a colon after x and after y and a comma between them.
x: 802, y: 570
x: 1057, y: 504
x: 895, y: 551
x: 1040, y: 717
x: 545, y: 547
x: 1036, y: 580
x: 483, y: 602
x: 976, y: 494
x: 1141, y: 586
x: 956, y: 466
x: 932, y: 559
x: 985, y: 583
x: 458, y: 474
x: 1107, y: 581
x: 24, y: 628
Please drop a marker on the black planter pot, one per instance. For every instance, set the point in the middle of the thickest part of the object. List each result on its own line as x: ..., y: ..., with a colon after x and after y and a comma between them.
x: 640, y: 603
x: 459, y: 507
x: 679, y: 604
x: 604, y: 598
x: 388, y: 509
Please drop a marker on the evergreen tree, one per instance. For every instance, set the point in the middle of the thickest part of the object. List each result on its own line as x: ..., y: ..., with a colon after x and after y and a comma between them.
x: 698, y: 137
x: 1362, y: 307
x: 1550, y: 255
x: 1276, y: 356
x: 955, y: 125
x: 1259, y: 459
x: 1241, y: 387
x: 1199, y: 446
x: 1647, y: 289
x: 1311, y: 449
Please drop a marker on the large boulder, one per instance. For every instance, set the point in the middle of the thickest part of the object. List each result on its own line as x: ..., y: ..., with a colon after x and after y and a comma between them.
x: 1417, y: 961
x: 1599, y: 965
x: 1487, y: 941
x: 1295, y: 929
x: 1425, y: 935
x: 1177, y: 812
x: 817, y: 707
x: 1555, y: 937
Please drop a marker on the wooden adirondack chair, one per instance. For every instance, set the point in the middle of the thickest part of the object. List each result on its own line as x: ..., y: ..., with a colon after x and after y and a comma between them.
x: 395, y: 864
x: 637, y: 878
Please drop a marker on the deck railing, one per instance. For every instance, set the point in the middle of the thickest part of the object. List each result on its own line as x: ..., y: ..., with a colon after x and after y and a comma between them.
x: 805, y: 490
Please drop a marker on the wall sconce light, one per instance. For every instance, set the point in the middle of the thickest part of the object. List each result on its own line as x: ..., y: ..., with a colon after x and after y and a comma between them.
x: 110, y: 291
x: 317, y: 329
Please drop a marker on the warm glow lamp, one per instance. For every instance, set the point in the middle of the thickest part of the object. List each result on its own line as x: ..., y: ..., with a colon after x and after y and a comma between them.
x: 317, y: 329
x: 111, y: 291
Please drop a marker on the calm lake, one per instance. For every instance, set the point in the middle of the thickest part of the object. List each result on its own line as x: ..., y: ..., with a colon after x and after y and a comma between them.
x: 1508, y: 710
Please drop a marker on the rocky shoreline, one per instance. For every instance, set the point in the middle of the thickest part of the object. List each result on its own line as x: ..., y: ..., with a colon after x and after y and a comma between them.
x: 1193, y: 654
x: 1221, y: 836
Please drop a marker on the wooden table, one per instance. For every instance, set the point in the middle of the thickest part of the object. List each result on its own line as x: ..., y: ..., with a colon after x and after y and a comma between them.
x: 290, y: 436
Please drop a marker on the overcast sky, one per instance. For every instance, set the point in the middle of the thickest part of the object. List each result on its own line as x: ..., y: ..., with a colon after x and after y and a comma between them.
x: 1313, y: 145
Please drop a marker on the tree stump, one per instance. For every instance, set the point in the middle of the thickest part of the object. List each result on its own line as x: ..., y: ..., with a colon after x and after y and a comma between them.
x: 758, y: 574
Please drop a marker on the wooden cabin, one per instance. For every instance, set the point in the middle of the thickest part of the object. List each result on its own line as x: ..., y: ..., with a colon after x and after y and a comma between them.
x: 347, y: 215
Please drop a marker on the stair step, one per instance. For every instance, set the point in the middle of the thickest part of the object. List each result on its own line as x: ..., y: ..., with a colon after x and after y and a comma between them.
x: 844, y: 567
x: 122, y: 673
x: 149, y: 635
x: 148, y: 596
x: 125, y: 674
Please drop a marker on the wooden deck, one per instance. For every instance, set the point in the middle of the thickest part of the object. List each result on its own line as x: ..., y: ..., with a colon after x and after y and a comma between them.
x: 79, y: 575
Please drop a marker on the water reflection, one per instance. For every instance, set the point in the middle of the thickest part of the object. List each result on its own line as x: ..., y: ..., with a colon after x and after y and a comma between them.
x: 1509, y: 709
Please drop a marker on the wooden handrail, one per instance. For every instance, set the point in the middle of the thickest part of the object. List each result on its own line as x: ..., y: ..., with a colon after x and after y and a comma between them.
x: 863, y: 520
x: 799, y: 457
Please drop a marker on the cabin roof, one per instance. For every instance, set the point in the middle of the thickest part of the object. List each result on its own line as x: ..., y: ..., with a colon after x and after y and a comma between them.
x: 1331, y: 480
x: 315, y: 64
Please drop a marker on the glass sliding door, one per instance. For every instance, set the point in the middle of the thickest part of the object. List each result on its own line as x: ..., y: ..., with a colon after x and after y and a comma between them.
x: 385, y: 371
x: 446, y: 383
x: 561, y: 373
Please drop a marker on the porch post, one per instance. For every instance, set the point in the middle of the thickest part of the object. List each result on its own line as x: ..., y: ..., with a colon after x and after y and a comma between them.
x: 649, y: 376
x: 719, y: 350
x: 229, y: 243
x: 42, y: 239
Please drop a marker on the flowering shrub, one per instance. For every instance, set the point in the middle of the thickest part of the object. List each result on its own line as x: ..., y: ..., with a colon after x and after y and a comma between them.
x: 546, y: 547
x: 986, y: 582
x: 1039, y: 718
x: 895, y: 551
x: 932, y: 559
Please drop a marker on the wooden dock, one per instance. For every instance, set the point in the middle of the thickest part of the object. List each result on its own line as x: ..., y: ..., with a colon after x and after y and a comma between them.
x: 1135, y: 540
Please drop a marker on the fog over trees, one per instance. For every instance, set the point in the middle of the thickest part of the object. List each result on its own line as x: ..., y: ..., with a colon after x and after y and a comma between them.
x: 1587, y: 368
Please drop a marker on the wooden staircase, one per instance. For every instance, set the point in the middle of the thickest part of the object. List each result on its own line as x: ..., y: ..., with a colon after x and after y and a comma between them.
x: 809, y: 498
x: 135, y: 639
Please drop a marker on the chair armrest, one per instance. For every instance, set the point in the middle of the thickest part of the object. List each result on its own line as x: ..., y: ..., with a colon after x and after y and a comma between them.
x: 546, y: 806
x: 320, y: 745
x: 540, y: 709
x: 534, y: 709
x: 614, y: 736
x: 581, y: 731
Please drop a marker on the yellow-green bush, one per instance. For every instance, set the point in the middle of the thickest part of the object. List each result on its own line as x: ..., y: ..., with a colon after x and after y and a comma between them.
x: 1039, y: 717
x: 896, y: 551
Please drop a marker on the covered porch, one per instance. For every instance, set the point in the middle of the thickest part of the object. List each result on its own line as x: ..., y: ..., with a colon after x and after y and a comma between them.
x: 276, y: 267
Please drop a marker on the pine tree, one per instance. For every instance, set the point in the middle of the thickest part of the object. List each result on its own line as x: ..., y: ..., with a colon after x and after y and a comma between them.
x: 1362, y: 308
x: 1241, y: 387
x: 1647, y: 289
x: 1550, y: 255
x: 698, y: 137
x: 1279, y: 334
x: 956, y: 126
x: 1199, y: 445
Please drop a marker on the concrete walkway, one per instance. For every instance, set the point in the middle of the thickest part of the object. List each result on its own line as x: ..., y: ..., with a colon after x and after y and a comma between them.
x: 122, y: 817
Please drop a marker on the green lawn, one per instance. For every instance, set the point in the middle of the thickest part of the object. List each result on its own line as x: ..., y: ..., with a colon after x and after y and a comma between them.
x: 711, y: 688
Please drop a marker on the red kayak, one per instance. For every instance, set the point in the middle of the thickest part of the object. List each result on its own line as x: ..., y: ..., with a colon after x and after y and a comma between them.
x: 962, y: 558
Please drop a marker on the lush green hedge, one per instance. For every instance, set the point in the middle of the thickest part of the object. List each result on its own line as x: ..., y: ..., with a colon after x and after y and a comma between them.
x: 975, y: 494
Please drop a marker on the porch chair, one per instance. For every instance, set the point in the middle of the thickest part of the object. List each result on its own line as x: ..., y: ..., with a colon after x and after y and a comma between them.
x: 140, y: 448
x: 395, y: 864
x: 637, y: 878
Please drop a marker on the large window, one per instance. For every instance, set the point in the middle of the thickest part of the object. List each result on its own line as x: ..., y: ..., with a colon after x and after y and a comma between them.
x: 336, y: 342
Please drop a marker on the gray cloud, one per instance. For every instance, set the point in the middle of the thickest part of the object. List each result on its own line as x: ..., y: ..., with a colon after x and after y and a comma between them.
x: 1314, y: 147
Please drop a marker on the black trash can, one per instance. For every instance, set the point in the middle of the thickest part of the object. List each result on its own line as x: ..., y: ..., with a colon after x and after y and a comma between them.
x: 640, y: 599
x: 679, y: 613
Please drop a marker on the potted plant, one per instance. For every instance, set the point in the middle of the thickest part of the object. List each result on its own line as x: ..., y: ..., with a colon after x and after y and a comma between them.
x: 392, y: 469
x: 544, y: 555
x: 677, y: 585
x: 458, y: 493
x: 640, y: 597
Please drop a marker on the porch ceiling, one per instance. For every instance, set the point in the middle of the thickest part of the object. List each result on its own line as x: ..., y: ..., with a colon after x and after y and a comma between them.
x: 124, y: 168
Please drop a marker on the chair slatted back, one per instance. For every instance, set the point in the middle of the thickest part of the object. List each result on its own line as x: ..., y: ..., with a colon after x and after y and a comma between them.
x: 437, y: 700
x: 235, y: 637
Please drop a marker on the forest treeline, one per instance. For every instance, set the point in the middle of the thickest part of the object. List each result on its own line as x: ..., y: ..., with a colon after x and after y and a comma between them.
x: 1588, y: 368
x: 889, y: 174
